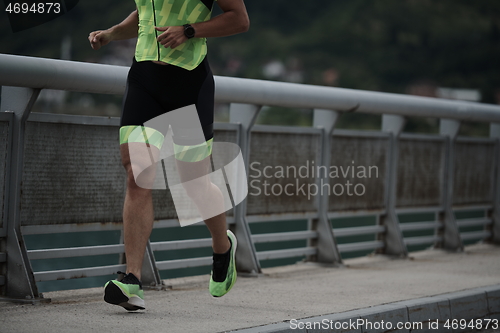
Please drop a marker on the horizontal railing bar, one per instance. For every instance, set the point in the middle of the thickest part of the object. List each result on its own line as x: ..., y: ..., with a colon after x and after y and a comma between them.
x: 84, y: 251
x: 284, y: 236
x: 422, y: 240
x: 73, y: 227
x: 286, y: 253
x: 99, y: 120
x: 184, y: 263
x: 39, y: 117
x: 78, y: 273
x: 471, y: 208
x: 71, y: 252
x: 475, y: 235
x: 280, y: 217
x: 419, y: 210
x: 360, y: 246
x: 473, y: 222
x: 261, y: 92
x: 109, y: 226
x: 226, y: 126
x: 422, y: 137
x: 467, y: 139
x: 43, y: 73
x: 62, y: 75
x: 360, y: 133
x: 166, y: 223
x: 411, y: 226
x: 354, y: 231
x: 3, y: 257
x: 6, y: 116
x: 174, y: 223
x: 355, y: 213
x: 181, y: 244
x: 286, y: 129
x: 95, y: 226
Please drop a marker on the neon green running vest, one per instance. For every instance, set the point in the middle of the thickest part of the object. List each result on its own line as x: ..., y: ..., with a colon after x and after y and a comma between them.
x: 163, y: 13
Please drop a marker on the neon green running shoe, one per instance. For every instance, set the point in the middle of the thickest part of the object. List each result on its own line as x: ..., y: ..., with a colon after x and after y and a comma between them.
x: 126, y: 293
x: 223, y: 274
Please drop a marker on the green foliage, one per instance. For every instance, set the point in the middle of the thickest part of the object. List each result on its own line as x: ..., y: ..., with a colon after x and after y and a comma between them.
x: 45, y: 40
x: 373, y: 45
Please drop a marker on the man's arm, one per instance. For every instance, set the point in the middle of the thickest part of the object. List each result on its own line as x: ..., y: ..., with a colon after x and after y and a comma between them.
x: 234, y: 20
x: 125, y: 30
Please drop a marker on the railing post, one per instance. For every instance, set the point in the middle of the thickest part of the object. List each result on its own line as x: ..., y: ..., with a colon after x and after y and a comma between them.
x: 20, y: 282
x: 150, y: 275
x: 495, y: 216
x: 393, y: 237
x: 451, y: 235
x: 7, y: 149
x: 246, y: 257
x: 326, y: 245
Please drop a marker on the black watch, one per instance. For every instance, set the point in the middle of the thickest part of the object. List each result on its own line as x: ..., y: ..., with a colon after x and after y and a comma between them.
x: 188, y: 31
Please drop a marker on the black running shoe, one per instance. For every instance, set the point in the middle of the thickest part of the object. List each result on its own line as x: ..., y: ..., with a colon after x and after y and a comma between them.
x: 224, y: 270
x: 126, y: 293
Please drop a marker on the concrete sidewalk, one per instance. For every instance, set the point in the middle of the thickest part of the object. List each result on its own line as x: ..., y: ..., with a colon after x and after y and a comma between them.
x: 281, y: 294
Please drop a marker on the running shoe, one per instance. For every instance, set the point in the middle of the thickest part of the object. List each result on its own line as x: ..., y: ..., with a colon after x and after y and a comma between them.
x: 223, y: 274
x: 127, y: 292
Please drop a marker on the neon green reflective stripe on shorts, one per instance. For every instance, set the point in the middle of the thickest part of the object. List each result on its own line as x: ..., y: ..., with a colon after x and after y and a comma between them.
x: 193, y: 153
x: 141, y: 134
x: 151, y: 136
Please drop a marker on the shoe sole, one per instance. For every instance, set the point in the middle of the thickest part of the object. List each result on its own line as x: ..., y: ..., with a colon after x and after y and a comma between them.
x: 116, y: 296
x: 234, y: 245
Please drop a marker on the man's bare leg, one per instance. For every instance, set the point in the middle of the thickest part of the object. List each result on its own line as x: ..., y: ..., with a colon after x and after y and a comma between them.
x: 210, y: 201
x: 138, y: 219
x: 204, y: 193
x: 137, y: 226
x: 138, y: 216
x: 218, y: 229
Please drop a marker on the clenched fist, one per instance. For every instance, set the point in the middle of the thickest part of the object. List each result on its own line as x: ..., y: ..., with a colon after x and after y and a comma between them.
x: 171, y: 36
x: 99, y: 38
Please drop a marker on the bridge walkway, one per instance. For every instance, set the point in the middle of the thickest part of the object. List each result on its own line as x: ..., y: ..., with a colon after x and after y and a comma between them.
x: 271, y: 302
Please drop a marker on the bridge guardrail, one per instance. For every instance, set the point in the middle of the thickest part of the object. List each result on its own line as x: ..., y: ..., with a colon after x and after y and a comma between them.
x: 62, y: 174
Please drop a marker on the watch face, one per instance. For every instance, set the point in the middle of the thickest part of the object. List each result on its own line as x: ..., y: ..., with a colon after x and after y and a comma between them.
x: 189, y: 31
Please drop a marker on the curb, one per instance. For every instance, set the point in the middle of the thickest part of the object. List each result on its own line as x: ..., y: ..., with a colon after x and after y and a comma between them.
x: 432, y: 312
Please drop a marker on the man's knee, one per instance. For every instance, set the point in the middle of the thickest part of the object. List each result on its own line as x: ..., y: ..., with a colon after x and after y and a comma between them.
x: 139, y: 166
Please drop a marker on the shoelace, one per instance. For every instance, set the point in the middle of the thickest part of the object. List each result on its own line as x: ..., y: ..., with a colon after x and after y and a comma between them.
x: 130, y: 279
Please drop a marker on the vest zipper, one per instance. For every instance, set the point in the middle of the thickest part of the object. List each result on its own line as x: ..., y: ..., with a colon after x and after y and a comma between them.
x: 156, y: 31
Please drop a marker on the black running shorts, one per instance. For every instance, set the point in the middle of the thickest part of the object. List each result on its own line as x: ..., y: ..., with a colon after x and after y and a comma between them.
x: 154, y: 89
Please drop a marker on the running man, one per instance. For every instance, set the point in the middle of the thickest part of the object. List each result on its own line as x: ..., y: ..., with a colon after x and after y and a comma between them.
x: 170, y: 71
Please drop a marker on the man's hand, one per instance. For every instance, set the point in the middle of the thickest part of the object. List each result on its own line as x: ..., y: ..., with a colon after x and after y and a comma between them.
x: 171, y: 36
x: 99, y: 38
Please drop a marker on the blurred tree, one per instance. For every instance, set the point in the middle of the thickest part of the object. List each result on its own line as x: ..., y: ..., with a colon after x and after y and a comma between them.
x: 375, y: 45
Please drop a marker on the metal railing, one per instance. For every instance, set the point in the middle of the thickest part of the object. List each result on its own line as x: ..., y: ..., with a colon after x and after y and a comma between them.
x: 61, y: 173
